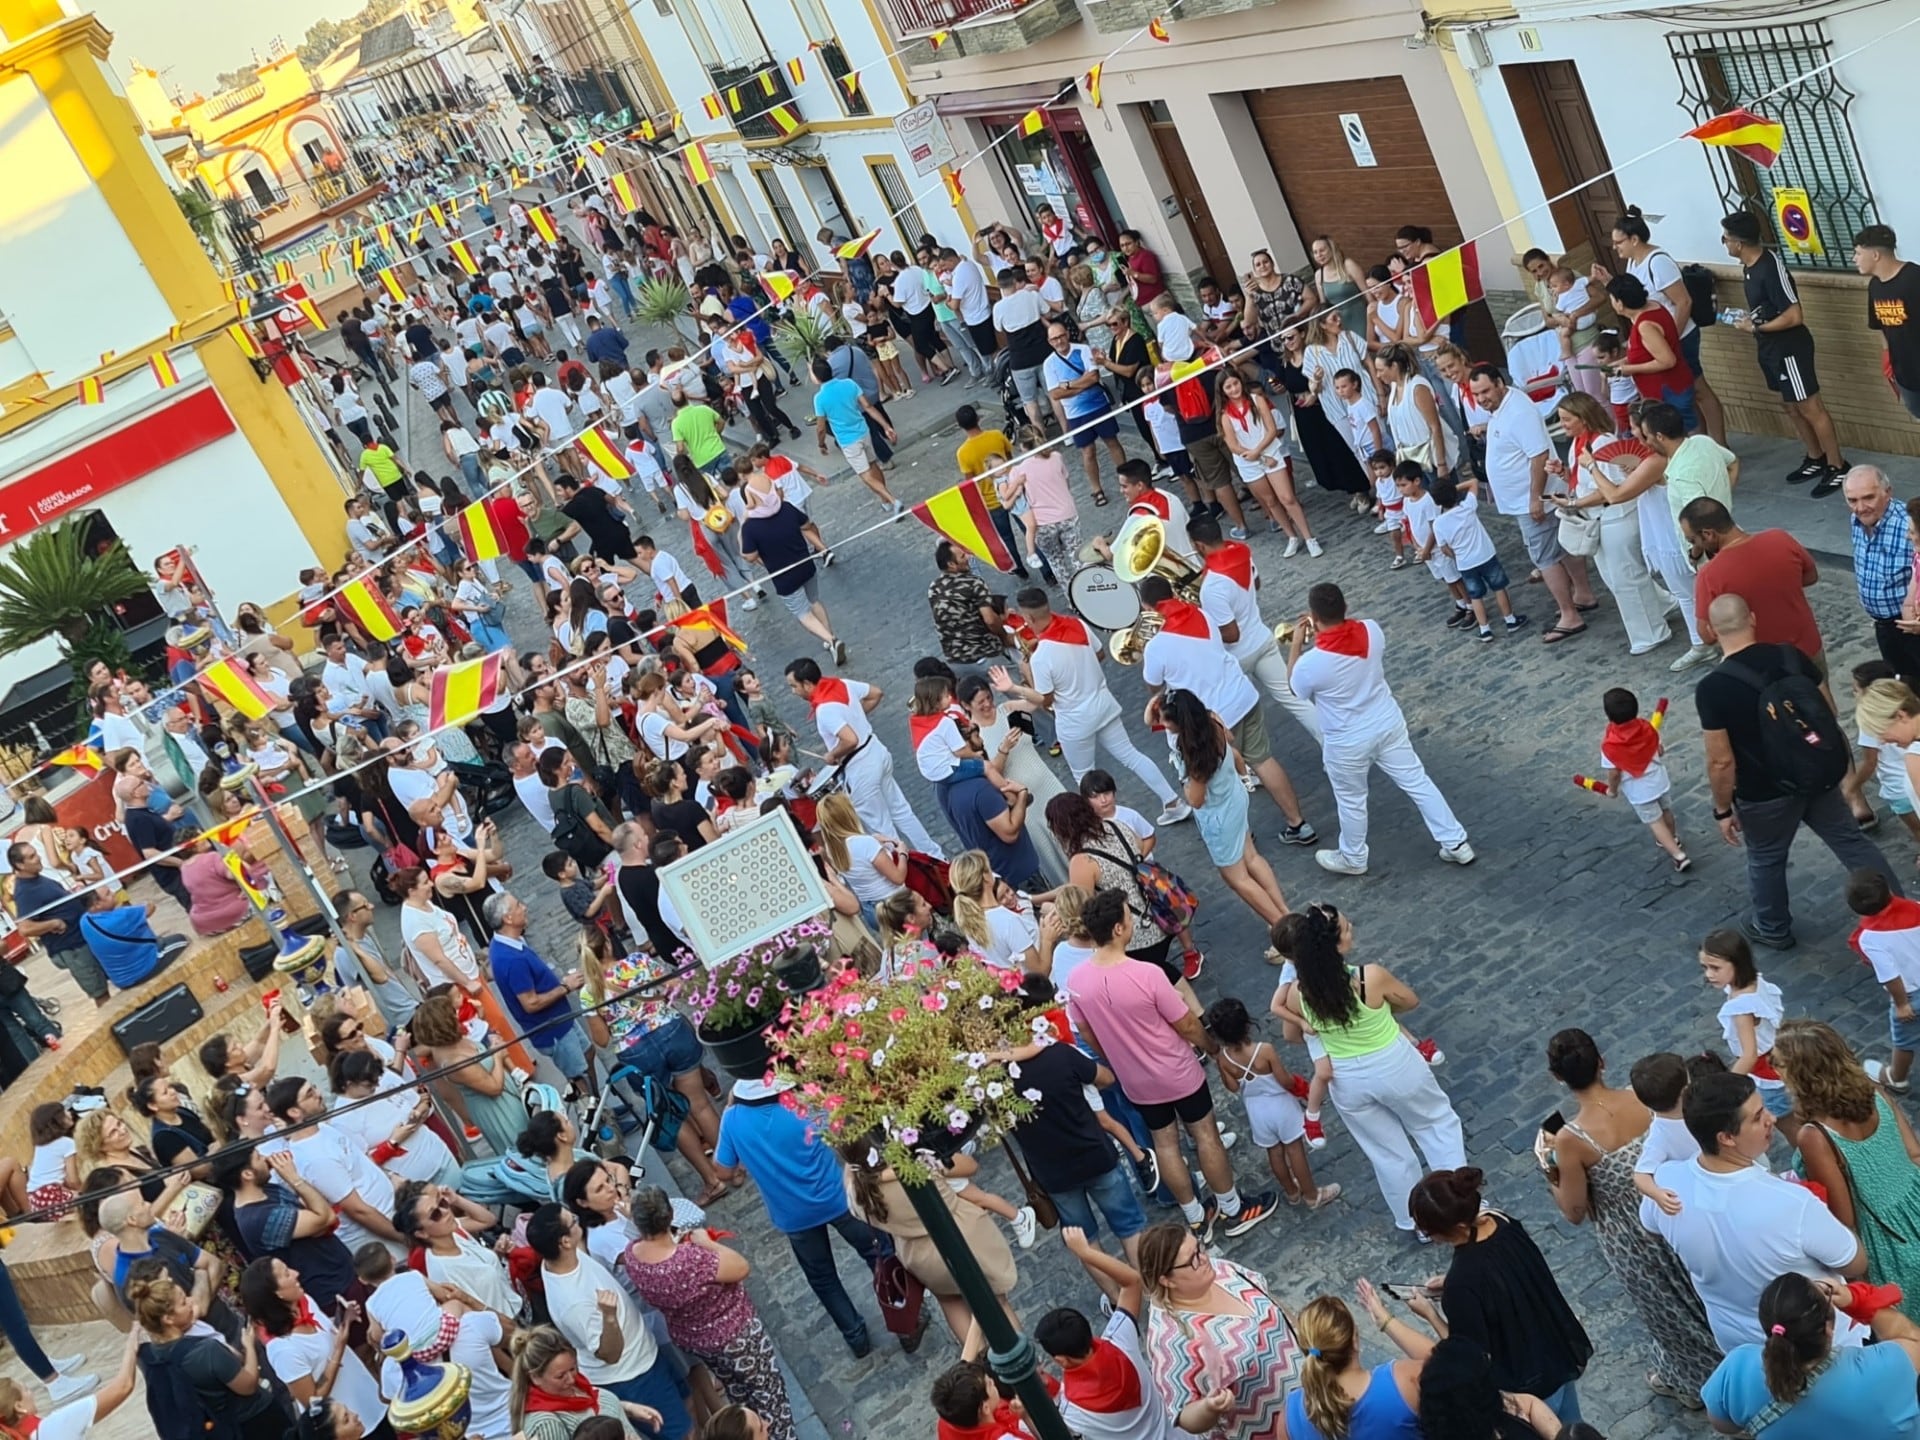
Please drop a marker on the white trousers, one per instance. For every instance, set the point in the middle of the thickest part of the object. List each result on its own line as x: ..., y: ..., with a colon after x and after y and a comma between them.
x: 1349, y: 763
x: 1269, y: 671
x: 880, y: 804
x: 1676, y: 578
x: 1623, y: 569
x: 1391, y: 1103
x: 1080, y: 747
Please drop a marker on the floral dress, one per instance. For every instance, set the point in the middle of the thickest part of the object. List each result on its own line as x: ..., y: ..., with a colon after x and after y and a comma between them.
x: 716, y: 1323
x: 1253, y: 1355
x: 1684, y: 1351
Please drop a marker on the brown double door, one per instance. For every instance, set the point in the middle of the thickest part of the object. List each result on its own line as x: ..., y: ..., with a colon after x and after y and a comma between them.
x: 1566, y: 148
x: 1193, y: 203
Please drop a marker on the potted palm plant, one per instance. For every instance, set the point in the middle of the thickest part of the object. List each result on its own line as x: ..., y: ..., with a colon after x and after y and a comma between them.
x: 52, y: 584
x: 803, y: 335
x: 666, y: 301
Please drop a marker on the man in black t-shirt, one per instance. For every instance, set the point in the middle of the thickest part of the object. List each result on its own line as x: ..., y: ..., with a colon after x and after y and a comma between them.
x: 1749, y: 804
x: 595, y: 515
x: 782, y: 541
x: 1893, y: 308
x: 1775, y: 321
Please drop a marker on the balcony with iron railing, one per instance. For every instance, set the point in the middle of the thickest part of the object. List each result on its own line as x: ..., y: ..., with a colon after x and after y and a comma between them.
x: 977, y: 27
x: 761, y: 88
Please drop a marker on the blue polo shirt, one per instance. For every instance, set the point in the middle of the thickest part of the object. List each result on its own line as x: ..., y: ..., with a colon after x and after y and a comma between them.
x: 123, y: 942
x: 517, y: 967
x: 798, y: 1176
x: 838, y: 403
x: 745, y: 307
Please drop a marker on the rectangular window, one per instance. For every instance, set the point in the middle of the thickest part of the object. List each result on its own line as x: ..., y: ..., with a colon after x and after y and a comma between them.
x: 826, y: 53
x: 898, y: 197
x: 783, y: 215
x: 1723, y: 69
x: 695, y: 24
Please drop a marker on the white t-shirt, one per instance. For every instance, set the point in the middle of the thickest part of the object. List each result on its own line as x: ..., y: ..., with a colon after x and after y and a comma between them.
x: 1891, y: 953
x: 489, y: 1391
x: 500, y: 336
x: 346, y: 677
x: 432, y: 920
x: 1735, y: 1233
x: 1516, y: 435
x: 1646, y: 787
x: 1151, y: 1419
x: 1767, y: 1008
x: 653, y: 727
x: 910, y: 290
x: 1417, y: 514
x: 608, y: 1244
x: 1165, y: 426
x: 967, y: 289
x: 69, y: 1422
x: 1667, y: 1139
x: 1069, y: 670
x: 1132, y: 821
x: 337, y: 1168
x: 669, y: 580
x: 1010, y: 934
x: 1892, y: 769
x: 835, y: 715
x: 935, y: 754
x: 1201, y: 664
x: 1015, y: 312
x: 866, y: 882
x: 1362, y: 416
x: 1225, y: 601
x: 550, y: 406
x: 532, y: 791
x: 476, y: 1270
x: 1659, y: 273
x: 371, y: 1121
x: 1460, y: 531
x: 1349, y: 692
x: 50, y: 1163
x: 297, y: 1356
x: 576, y: 1314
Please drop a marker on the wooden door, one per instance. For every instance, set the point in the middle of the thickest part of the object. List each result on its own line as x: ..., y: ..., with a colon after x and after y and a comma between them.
x: 1193, y: 203
x: 1551, y: 105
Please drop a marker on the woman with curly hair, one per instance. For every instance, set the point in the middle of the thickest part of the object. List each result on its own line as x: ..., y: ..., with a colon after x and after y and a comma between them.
x: 1857, y: 1144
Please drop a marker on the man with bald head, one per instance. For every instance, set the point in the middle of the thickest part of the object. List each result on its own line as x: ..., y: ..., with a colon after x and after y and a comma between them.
x: 1743, y: 705
x: 1883, y: 567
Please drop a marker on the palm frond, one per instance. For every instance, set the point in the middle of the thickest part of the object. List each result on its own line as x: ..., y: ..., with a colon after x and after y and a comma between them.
x: 50, y: 584
x: 803, y: 335
x: 661, y: 302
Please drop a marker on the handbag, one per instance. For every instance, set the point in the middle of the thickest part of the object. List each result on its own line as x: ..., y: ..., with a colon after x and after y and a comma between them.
x: 1580, y: 531
x: 1421, y: 454
x: 1170, y: 902
x: 190, y: 1215
x: 1045, y: 1212
x: 399, y: 855
x: 900, y: 1296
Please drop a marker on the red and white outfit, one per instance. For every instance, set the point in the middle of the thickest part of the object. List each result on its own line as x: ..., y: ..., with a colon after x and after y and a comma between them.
x: 876, y: 795
x: 1111, y: 1395
x: 1245, y: 424
x: 936, y: 741
x: 1622, y: 555
x: 1188, y: 654
x: 1227, y: 596
x: 1086, y: 718
x: 1344, y: 676
x: 1890, y: 943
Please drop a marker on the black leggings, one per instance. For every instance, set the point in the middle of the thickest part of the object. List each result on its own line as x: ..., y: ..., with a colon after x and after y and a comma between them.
x: 768, y: 418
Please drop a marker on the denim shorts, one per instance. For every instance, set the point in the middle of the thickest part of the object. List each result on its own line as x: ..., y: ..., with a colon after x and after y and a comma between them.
x: 1113, y: 1193
x: 1483, y: 580
x: 1904, y: 1033
x: 567, y: 1049
x: 1777, y: 1099
x: 671, y: 1050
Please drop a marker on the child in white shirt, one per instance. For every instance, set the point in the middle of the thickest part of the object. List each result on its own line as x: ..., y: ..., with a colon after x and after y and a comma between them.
x: 1389, y: 504
x: 1631, y: 752
x: 1165, y: 425
x: 1364, y: 434
x: 941, y: 746
x: 1417, y: 513
x: 1879, y: 757
x: 1610, y: 349
x: 1461, y: 537
x: 1660, y: 1083
x: 641, y: 460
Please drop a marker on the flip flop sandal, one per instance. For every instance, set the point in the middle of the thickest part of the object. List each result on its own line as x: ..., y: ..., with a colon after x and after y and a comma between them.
x: 1588, y: 609
x: 1100, y: 497
x: 1555, y: 634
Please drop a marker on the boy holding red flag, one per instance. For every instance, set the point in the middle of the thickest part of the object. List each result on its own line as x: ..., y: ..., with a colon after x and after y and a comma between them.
x: 1631, y: 751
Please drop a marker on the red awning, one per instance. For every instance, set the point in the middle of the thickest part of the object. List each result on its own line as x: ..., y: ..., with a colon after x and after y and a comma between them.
x: 1014, y: 100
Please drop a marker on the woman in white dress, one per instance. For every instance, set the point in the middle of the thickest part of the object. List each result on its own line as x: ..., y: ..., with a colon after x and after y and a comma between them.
x: 1024, y: 766
x: 1596, y: 455
x: 1413, y: 412
x: 1255, y: 435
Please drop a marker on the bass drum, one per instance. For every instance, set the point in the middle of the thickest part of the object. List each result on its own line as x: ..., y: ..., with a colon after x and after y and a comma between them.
x: 1102, y: 599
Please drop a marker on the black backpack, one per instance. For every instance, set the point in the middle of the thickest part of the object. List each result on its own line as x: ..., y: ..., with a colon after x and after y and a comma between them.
x: 1807, y: 753
x: 173, y: 1401
x: 573, y: 836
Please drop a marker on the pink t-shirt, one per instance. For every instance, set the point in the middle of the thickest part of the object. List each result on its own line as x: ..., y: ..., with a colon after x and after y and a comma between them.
x: 1046, y: 481
x: 1132, y: 1007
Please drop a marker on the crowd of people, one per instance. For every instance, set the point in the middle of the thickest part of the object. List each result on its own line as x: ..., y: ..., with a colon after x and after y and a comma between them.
x: 474, y: 1214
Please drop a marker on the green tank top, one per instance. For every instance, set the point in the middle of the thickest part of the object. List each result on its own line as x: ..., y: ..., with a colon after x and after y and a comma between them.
x: 1374, y: 1029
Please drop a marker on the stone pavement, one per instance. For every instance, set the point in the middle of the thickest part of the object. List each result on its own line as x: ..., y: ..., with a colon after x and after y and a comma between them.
x: 1569, y: 917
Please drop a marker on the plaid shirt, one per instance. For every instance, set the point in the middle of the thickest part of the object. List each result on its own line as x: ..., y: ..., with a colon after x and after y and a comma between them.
x: 1882, y: 564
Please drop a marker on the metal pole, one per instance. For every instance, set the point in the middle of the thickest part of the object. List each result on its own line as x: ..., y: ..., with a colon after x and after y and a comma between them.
x: 300, y: 866
x: 1009, y: 1353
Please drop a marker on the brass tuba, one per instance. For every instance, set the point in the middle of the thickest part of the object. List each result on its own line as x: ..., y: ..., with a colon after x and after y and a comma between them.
x: 1140, y: 549
x: 1128, y: 645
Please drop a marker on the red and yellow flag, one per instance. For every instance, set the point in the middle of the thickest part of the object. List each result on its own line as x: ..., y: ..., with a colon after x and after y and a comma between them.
x: 492, y: 528
x: 89, y: 391
x: 596, y: 448
x: 778, y: 284
x: 855, y: 248
x: 960, y: 513
x: 1744, y: 133
x: 647, y: 132
x: 851, y: 80
x: 1092, y: 85
x: 359, y: 257
x: 310, y: 313
x: 165, y: 375
x: 623, y: 192
x: 797, y: 71
x: 240, y: 337
x: 709, y: 617
x: 784, y: 120
x: 1158, y: 30
x: 80, y: 757
x: 238, y: 867
x: 711, y: 104
x: 395, y: 289
x: 326, y: 255
x: 1032, y: 123
x: 228, y: 682
x: 229, y: 832
x: 699, y: 168
x: 1447, y: 283
x: 768, y: 86
x: 542, y: 224
x: 733, y: 98
x: 938, y: 38
x: 383, y: 232
x: 460, y: 692
x: 413, y: 230
x: 598, y: 147
x: 283, y: 272
x: 463, y: 255
x: 370, y: 609
x: 955, y: 189
x: 439, y: 215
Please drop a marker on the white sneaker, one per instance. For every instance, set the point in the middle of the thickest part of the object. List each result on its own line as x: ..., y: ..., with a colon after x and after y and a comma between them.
x: 1696, y: 655
x: 1461, y: 854
x: 894, y: 510
x: 1228, y: 1139
x: 1385, y: 527
x: 64, y: 1363
x: 1293, y: 548
x: 1175, y: 812
x: 1877, y: 1072
x: 1026, y: 1226
x: 1033, y: 562
x: 71, y: 1387
x: 1339, y: 864
x: 1314, y: 548
x: 747, y: 602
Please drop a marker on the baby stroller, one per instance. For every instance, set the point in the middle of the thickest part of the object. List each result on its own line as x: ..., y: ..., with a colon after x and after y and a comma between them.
x: 631, y: 1099
x: 1014, y: 412
x: 1534, y: 363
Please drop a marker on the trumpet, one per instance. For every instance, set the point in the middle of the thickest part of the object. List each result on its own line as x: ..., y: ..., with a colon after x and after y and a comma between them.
x: 1128, y: 645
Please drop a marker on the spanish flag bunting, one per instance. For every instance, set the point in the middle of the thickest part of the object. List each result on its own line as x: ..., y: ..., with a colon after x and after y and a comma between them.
x: 226, y: 289
x: 439, y: 215
x: 238, y: 868
x: 80, y: 757
x: 699, y: 169
x: 733, y: 98
x: 709, y: 617
x: 106, y: 357
x: 176, y: 330
x: 1032, y: 123
x: 383, y: 232
x: 960, y: 514
x: 542, y: 224
x: 326, y: 255
x: 1158, y: 30
x: 89, y: 391
x: 1744, y: 133
x: 413, y: 231
x: 227, y: 682
x: 855, y: 248
x: 623, y: 192
x: 955, y: 189
x: 594, y: 446
x: 253, y: 283
x: 229, y: 832
x: 460, y: 692
x: 673, y: 124
x: 851, y: 80
x: 245, y: 306
x: 359, y: 258
x: 598, y: 147
x: 395, y: 289
x: 164, y: 373
x: 492, y: 528
x: 710, y: 102
x: 463, y: 255
x: 283, y: 272
x: 647, y: 132
x: 453, y: 206
x: 513, y: 177
x: 1447, y: 283
x: 938, y: 38
x: 579, y: 163
x: 1092, y: 86
x: 370, y: 609
x: 778, y: 284
x: 767, y: 84
x: 797, y: 71
x: 784, y: 119
x: 244, y: 340
x: 483, y: 192
x: 310, y: 313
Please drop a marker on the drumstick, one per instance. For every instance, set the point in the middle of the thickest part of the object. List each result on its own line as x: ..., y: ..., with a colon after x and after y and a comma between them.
x: 810, y: 754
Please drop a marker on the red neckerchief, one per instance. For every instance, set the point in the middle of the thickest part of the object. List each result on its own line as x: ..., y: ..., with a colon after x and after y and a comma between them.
x: 1003, y: 1423
x: 1054, y: 230
x: 919, y: 727
x: 1233, y: 560
x: 1349, y: 637
x: 1153, y: 502
x: 1106, y: 1382
x: 1064, y: 630
x: 831, y: 690
x: 584, y: 1401
x: 776, y: 466
x: 1239, y: 410
x: 1632, y: 746
x: 1900, y: 914
x: 302, y: 1315
x: 1184, y: 619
